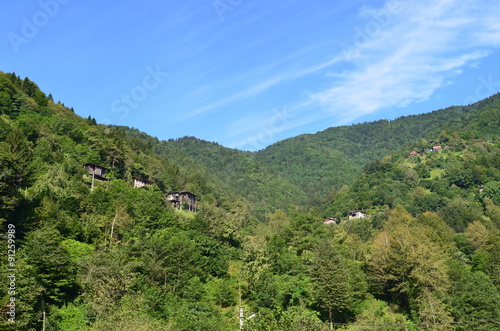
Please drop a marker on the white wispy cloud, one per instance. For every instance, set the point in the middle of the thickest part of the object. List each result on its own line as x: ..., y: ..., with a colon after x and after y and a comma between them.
x: 403, y: 52
x: 275, y: 73
x: 251, y: 91
x: 399, y: 54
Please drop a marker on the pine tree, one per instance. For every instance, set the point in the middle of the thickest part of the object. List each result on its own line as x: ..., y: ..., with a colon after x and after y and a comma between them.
x: 331, y: 284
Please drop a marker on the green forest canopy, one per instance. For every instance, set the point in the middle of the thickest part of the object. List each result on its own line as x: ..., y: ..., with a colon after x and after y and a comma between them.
x: 122, y: 258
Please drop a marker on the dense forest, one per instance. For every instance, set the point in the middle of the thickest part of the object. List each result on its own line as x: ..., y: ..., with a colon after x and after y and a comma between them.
x: 310, y: 167
x: 390, y: 225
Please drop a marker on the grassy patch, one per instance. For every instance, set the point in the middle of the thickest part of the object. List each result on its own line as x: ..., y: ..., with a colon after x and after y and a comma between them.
x: 185, y: 214
x: 436, y: 173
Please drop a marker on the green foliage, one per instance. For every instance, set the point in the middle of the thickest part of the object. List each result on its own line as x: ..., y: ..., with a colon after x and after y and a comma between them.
x: 169, y: 259
x: 293, y: 319
x: 379, y: 316
x: 109, y: 256
x: 224, y: 291
x: 491, y: 190
x: 331, y: 281
x: 406, y: 262
x: 474, y: 297
x: 77, y: 251
x: 51, y: 265
x: 71, y: 317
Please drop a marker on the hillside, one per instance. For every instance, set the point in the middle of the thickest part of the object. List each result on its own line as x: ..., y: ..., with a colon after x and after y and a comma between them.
x: 333, y: 157
x: 264, y: 188
x: 93, y: 252
x: 466, y: 160
x: 73, y: 236
x: 336, y: 156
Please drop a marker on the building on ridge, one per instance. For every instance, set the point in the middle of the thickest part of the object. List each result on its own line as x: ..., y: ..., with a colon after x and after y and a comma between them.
x: 97, y: 171
x: 356, y: 214
x: 182, y: 200
x: 141, y: 182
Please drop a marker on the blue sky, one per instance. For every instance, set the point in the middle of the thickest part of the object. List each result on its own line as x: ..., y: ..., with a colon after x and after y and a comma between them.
x: 247, y: 73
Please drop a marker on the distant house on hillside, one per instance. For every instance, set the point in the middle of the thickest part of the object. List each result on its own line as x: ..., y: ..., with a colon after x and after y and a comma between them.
x: 182, y: 200
x: 97, y: 171
x: 356, y: 214
x: 436, y: 148
x: 141, y: 182
x: 414, y: 153
x: 330, y: 220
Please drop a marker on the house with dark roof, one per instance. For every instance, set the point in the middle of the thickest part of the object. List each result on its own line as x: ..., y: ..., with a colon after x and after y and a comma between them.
x: 356, y: 214
x: 182, y: 200
x: 141, y: 182
x: 97, y: 171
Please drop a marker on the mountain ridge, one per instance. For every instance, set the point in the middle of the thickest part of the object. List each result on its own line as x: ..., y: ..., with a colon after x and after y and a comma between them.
x: 346, y: 147
x: 425, y: 248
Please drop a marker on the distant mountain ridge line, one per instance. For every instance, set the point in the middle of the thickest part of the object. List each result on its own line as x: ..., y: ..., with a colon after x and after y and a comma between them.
x: 305, y: 168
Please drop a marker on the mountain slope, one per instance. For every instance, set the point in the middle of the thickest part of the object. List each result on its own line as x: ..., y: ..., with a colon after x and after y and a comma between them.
x: 105, y: 255
x: 303, y: 170
x: 430, y: 181
x: 335, y: 156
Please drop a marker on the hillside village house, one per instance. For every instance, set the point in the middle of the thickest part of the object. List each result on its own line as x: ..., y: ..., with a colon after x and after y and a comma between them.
x: 182, y: 199
x: 414, y: 153
x: 97, y: 171
x: 437, y: 148
x: 356, y: 214
x: 141, y: 182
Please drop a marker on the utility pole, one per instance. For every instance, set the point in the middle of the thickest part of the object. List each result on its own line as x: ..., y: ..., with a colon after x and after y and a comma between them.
x: 43, y: 314
x: 242, y: 317
x: 241, y: 308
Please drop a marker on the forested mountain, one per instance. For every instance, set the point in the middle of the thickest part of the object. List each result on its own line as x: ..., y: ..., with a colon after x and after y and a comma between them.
x: 96, y: 253
x: 242, y: 172
x: 303, y: 170
x: 335, y: 156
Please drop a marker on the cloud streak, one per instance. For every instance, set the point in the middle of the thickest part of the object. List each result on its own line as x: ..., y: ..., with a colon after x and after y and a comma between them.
x: 412, y: 54
x: 279, y: 76
x: 398, y: 54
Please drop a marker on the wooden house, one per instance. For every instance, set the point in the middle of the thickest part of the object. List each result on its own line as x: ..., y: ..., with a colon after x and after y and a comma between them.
x: 182, y: 200
x: 414, y: 153
x: 356, y: 214
x: 141, y: 182
x: 97, y: 171
x: 436, y: 148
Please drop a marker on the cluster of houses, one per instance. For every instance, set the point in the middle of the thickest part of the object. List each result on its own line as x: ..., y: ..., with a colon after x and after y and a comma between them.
x: 435, y: 148
x: 179, y: 200
x: 351, y: 215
